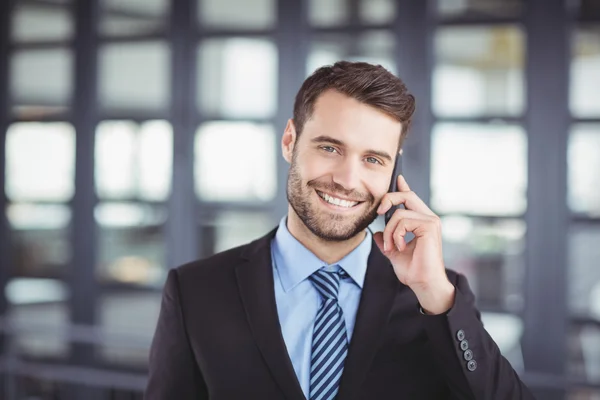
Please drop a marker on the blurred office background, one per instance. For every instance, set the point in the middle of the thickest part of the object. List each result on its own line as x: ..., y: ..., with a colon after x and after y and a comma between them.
x: 136, y: 135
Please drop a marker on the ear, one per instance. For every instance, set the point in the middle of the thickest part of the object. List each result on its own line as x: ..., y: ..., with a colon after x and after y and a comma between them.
x: 288, y: 141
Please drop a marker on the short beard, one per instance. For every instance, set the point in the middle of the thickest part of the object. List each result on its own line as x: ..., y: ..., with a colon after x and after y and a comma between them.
x: 298, y: 197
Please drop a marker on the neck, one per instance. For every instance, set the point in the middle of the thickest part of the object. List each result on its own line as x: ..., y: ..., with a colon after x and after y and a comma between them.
x: 329, y: 251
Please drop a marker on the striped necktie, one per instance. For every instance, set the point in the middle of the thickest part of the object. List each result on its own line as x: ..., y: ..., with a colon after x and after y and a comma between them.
x: 330, y: 342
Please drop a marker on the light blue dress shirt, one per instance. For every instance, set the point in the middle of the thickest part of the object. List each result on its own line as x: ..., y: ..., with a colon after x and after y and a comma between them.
x: 297, y: 299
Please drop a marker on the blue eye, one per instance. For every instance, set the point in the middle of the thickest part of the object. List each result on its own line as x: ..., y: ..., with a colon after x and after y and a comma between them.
x: 329, y: 149
x: 373, y: 160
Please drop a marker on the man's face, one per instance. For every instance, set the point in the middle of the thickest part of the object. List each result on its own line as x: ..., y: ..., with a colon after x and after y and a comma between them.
x: 341, y: 165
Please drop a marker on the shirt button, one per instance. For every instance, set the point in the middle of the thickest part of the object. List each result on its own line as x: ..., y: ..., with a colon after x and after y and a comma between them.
x: 464, y: 345
x: 468, y: 355
x: 460, y: 335
x: 472, y: 365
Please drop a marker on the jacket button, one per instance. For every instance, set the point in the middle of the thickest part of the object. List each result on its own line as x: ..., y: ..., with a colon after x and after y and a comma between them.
x: 464, y: 345
x: 468, y: 355
x: 460, y: 335
x: 472, y: 365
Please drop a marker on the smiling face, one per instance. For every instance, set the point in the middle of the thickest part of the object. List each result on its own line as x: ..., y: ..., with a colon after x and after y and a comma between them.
x: 341, y: 165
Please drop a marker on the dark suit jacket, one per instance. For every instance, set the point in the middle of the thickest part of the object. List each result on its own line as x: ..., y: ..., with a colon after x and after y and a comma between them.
x: 218, y: 337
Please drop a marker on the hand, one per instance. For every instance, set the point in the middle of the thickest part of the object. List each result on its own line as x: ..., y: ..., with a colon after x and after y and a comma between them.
x: 418, y: 264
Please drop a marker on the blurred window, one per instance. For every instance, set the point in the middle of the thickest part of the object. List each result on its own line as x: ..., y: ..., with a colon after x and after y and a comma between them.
x: 490, y: 253
x: 480, y: 8
x: 40, y: 239
x: 41, y: 21
x: 375, y: 46
x: 479, y: 71
x: 132, y: 17
x: 584, y: 274
x: 127, y: 340
x: 237, y: 78
x: 479, y: 169
x: 41, y: 80
x: 131, y: 243
x: 236, y: 227
x: 134, y: 76
x: 134, y: 160
x: 235, y: 161
x: 584, y: 169
x: 331, y: 13
x: 585, y: 78
x: 584, y: 301
x: 237, y: 14
x: 40, y: 161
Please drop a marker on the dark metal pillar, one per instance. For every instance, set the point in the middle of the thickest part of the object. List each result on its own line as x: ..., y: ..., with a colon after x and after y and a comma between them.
x: 182, y: 226
x: 292, y: 43
x: 83, y: 285
x: 5, y: 248
x: 414, y: 29
x: 547, y: 76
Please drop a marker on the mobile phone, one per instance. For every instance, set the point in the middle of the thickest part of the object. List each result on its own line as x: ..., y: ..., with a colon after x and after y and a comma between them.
x: 394, y: 185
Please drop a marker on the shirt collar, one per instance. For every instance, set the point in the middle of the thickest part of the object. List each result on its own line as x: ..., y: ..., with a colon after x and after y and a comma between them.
x: 295, y: 263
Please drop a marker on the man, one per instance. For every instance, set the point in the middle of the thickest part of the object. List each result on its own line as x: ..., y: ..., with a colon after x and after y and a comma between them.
x: 320, y: 308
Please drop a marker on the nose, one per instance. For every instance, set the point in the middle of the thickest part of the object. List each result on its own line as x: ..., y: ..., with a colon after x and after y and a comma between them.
x: 347, y: 174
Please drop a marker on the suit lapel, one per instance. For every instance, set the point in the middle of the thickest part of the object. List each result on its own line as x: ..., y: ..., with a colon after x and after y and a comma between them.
x: 379, y: 290
x: 255, y: 282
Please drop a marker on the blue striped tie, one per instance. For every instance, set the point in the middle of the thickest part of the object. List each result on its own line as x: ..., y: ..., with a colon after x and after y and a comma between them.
x: 330, y: 343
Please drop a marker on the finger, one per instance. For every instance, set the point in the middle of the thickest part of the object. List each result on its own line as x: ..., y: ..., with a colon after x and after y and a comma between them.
x: 402, y: 184
x: 410, y: 200
x: 392, y: 226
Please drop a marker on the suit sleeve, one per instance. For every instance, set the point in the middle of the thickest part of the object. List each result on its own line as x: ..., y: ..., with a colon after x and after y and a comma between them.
x: 173, y: 372
x: 466, y: 354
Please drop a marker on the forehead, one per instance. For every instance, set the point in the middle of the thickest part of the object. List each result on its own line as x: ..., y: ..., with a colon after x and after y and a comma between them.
x: 353, y: 122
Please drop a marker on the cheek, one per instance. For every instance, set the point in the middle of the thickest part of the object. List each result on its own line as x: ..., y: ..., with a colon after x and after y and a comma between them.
x: 312, y: 167
x: 378, y: 185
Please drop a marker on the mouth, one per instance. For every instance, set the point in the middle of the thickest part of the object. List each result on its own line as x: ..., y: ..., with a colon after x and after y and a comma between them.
x: 337, y: 202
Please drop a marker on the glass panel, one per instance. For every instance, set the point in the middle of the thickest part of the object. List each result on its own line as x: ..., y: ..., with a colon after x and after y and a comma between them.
x: 479, y: 71
x: 40, y: 319
x: 132, y: 243
x: 235, y: 161
x: 506, y: 330
x: 134, y: 76
x: 584, y: 164
x: 40, y: 161
x: 237, y: 14
x: 327, y: 13
x: 584, y: 357
x: 585, y: 79
x: 375, y: 47
x: 584, y: 274
x: 132, y: 17
x: 377, y: 11
x: 237, y: 78
x: 128, y: 339
x: 479, y: 169
x: 40, y: 80
x: 235, y: 228
x: 490, y: 254
x: 480, y: 9
x: 40, y: 21
x: 40, y: 239
x: 134, y: 160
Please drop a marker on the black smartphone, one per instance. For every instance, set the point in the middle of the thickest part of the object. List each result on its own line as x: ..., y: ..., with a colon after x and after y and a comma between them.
x: 394, y: 185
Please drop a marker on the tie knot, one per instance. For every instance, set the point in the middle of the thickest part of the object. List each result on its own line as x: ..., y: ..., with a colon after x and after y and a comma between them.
x: 327, y: 283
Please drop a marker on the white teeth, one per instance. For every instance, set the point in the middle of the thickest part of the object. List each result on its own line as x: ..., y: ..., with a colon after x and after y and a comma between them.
x: 336, y: 201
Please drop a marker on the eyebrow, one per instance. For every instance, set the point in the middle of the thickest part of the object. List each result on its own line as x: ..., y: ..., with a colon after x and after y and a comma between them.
x: 329, y: 139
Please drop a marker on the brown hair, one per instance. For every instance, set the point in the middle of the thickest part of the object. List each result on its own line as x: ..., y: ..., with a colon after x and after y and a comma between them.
x: 370, y: 84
